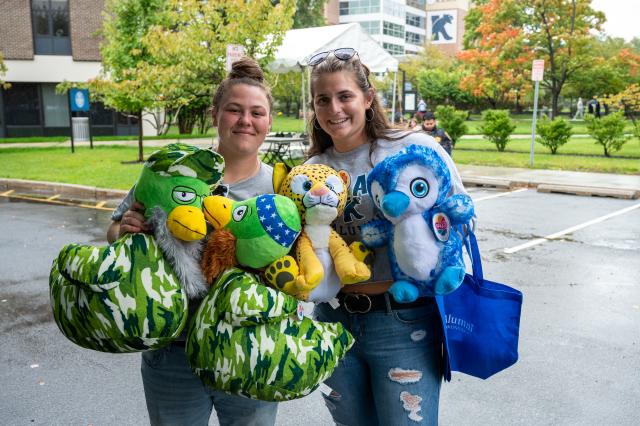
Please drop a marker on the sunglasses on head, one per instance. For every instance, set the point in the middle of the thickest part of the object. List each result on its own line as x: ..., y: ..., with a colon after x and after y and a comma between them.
x: 343, y: 53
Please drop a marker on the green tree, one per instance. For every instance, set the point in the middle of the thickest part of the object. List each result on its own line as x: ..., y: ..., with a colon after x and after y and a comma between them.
x: 3, y: 71
x: 189, y: 44
x: 553, y: 133
x: 628, y: 101
x: 613, y: 67
x: 437, y: 86
x: 608, y: 131
x: 429, y: 58
x: 309, y: 13
x: 559, y: 32
x: 287, y: 91
x: 123, y: 83
x: 497, y: 127
x: 452, y: 121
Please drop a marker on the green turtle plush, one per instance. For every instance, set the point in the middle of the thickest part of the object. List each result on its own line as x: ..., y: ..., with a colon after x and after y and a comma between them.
x: 133, y: 294
x: 247, y: 338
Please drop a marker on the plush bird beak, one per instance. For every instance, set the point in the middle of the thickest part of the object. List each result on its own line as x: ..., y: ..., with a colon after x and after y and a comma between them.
x: 187, y: 223
x: 394, y: 203
x: 217, y: 210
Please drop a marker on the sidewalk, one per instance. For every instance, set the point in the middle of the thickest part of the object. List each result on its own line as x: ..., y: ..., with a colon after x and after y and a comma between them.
x: 579, y: 183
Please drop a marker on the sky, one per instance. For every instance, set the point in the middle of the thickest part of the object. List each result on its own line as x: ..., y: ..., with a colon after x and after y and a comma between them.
x: 622, y: 17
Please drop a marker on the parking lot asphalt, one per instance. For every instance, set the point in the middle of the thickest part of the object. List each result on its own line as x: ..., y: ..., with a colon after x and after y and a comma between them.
x: 579, y: 342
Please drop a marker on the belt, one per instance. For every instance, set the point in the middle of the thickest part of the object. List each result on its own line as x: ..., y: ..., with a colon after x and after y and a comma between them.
x: 355, y: 303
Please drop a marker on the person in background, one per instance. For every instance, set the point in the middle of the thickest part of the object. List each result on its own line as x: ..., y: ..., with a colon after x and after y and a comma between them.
x: 430, y: 127
x: 392, y: 375
x: 422, y: 109
x: 579, y: 110
x: 241, y: 112
x: 594, y: 106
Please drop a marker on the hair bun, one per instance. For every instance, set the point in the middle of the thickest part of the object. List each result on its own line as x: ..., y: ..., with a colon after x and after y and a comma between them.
x: 246, y: 67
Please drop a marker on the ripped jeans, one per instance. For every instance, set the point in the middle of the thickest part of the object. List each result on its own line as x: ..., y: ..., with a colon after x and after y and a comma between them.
x: 392, y: 375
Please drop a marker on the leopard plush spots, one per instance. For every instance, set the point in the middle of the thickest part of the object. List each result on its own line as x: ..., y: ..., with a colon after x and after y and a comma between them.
x: 320, y: 193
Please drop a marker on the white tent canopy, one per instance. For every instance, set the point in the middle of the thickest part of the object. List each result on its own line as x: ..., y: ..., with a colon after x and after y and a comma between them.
x: 299, y: 45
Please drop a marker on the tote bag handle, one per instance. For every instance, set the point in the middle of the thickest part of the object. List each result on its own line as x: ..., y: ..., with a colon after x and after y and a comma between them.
x: 471, y: 244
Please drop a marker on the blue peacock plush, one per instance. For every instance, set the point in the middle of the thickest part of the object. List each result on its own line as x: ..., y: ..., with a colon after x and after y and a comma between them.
x: 411, y: 189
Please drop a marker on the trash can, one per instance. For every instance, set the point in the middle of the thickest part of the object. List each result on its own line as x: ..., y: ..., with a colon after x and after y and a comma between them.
x: 80, y: 129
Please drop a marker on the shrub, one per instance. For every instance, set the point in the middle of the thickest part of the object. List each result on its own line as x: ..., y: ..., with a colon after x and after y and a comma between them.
x: 452, y: 121
x: 553, y: 133
x: 497, y: 127
x: 608, y: 131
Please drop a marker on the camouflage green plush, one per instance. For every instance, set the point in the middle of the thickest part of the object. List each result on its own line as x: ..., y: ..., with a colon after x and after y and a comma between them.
x: 248, y: 339
x: 103, y: 300
x: 132, y: 295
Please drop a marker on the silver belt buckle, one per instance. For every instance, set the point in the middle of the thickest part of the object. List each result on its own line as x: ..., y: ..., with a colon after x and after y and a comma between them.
x: 349, y: 297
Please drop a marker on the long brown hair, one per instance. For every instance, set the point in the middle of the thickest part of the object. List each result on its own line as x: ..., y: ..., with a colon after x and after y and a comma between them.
x: 244, y: 71
x: 376, y: 124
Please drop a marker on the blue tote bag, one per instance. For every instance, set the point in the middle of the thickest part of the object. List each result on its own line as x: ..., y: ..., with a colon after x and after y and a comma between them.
x: 481, y: 322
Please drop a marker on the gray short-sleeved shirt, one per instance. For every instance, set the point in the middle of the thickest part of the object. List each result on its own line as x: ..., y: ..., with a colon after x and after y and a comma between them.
x: 360, y: 208
x: 261, y: 183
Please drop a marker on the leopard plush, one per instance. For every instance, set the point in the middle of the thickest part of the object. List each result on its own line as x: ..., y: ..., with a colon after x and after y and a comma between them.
x: 324, y: 261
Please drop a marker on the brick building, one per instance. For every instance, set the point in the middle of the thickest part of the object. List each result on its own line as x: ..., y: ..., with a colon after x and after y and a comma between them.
x: 45, y: 42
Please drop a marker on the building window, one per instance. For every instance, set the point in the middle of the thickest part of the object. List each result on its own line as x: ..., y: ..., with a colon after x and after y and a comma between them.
x: 359, y: 7
x: 414, y: 38
x: 392, y: 8
x: 56, y: 107
x: 101, y: 115
x: 393, y: 30
x: 416, y: 21
x: 370, y: 27
x: 51, y: 27
x: 393, y: 49
x: 22, y: 105
x: 418, y: 4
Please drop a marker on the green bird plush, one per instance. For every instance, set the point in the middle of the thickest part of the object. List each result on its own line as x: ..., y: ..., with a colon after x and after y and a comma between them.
x: 247, y: 338
x: 133, y: 294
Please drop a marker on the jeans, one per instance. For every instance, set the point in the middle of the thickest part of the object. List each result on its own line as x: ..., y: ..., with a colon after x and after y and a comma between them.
x: 392, y: 374
x: 176, y: 396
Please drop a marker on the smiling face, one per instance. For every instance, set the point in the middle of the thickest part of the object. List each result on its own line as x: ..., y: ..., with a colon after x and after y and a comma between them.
x: 340, y: 107
x: 243, y: 119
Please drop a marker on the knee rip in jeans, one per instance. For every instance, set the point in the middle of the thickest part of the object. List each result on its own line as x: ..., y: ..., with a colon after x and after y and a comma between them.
x: 403, y: 376
x: 411, y: 403
x: 418, y: 335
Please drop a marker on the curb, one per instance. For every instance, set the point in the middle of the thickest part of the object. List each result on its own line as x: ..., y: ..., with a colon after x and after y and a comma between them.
x: 62, y: 191
x: 627, y: 194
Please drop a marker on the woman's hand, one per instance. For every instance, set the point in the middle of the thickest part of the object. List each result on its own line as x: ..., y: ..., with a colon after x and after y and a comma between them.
x: 133, y: 221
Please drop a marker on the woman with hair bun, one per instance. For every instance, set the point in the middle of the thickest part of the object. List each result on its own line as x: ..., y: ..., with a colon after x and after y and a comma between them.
x: 175, y: 396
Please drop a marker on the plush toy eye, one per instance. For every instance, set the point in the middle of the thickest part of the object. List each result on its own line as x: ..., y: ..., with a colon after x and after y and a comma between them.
x: 301, y: 184
x: 183, y: 195
x: 239, y: 212
x: 419, y: 187
x: 334, y: 183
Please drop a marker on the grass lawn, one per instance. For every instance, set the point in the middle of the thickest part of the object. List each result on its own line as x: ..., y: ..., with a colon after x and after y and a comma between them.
x: 280, y: 124
x: 101, y: 167
x: 104, y: 166
x: 580, y: 154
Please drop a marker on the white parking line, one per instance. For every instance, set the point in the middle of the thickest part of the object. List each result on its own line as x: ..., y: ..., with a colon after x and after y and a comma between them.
x: 502, y: 194
x: 569, y: 230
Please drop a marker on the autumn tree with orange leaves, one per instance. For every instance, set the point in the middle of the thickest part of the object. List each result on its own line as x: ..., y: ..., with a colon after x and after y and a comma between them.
x: 497, y: 55
x: 509, y: 34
